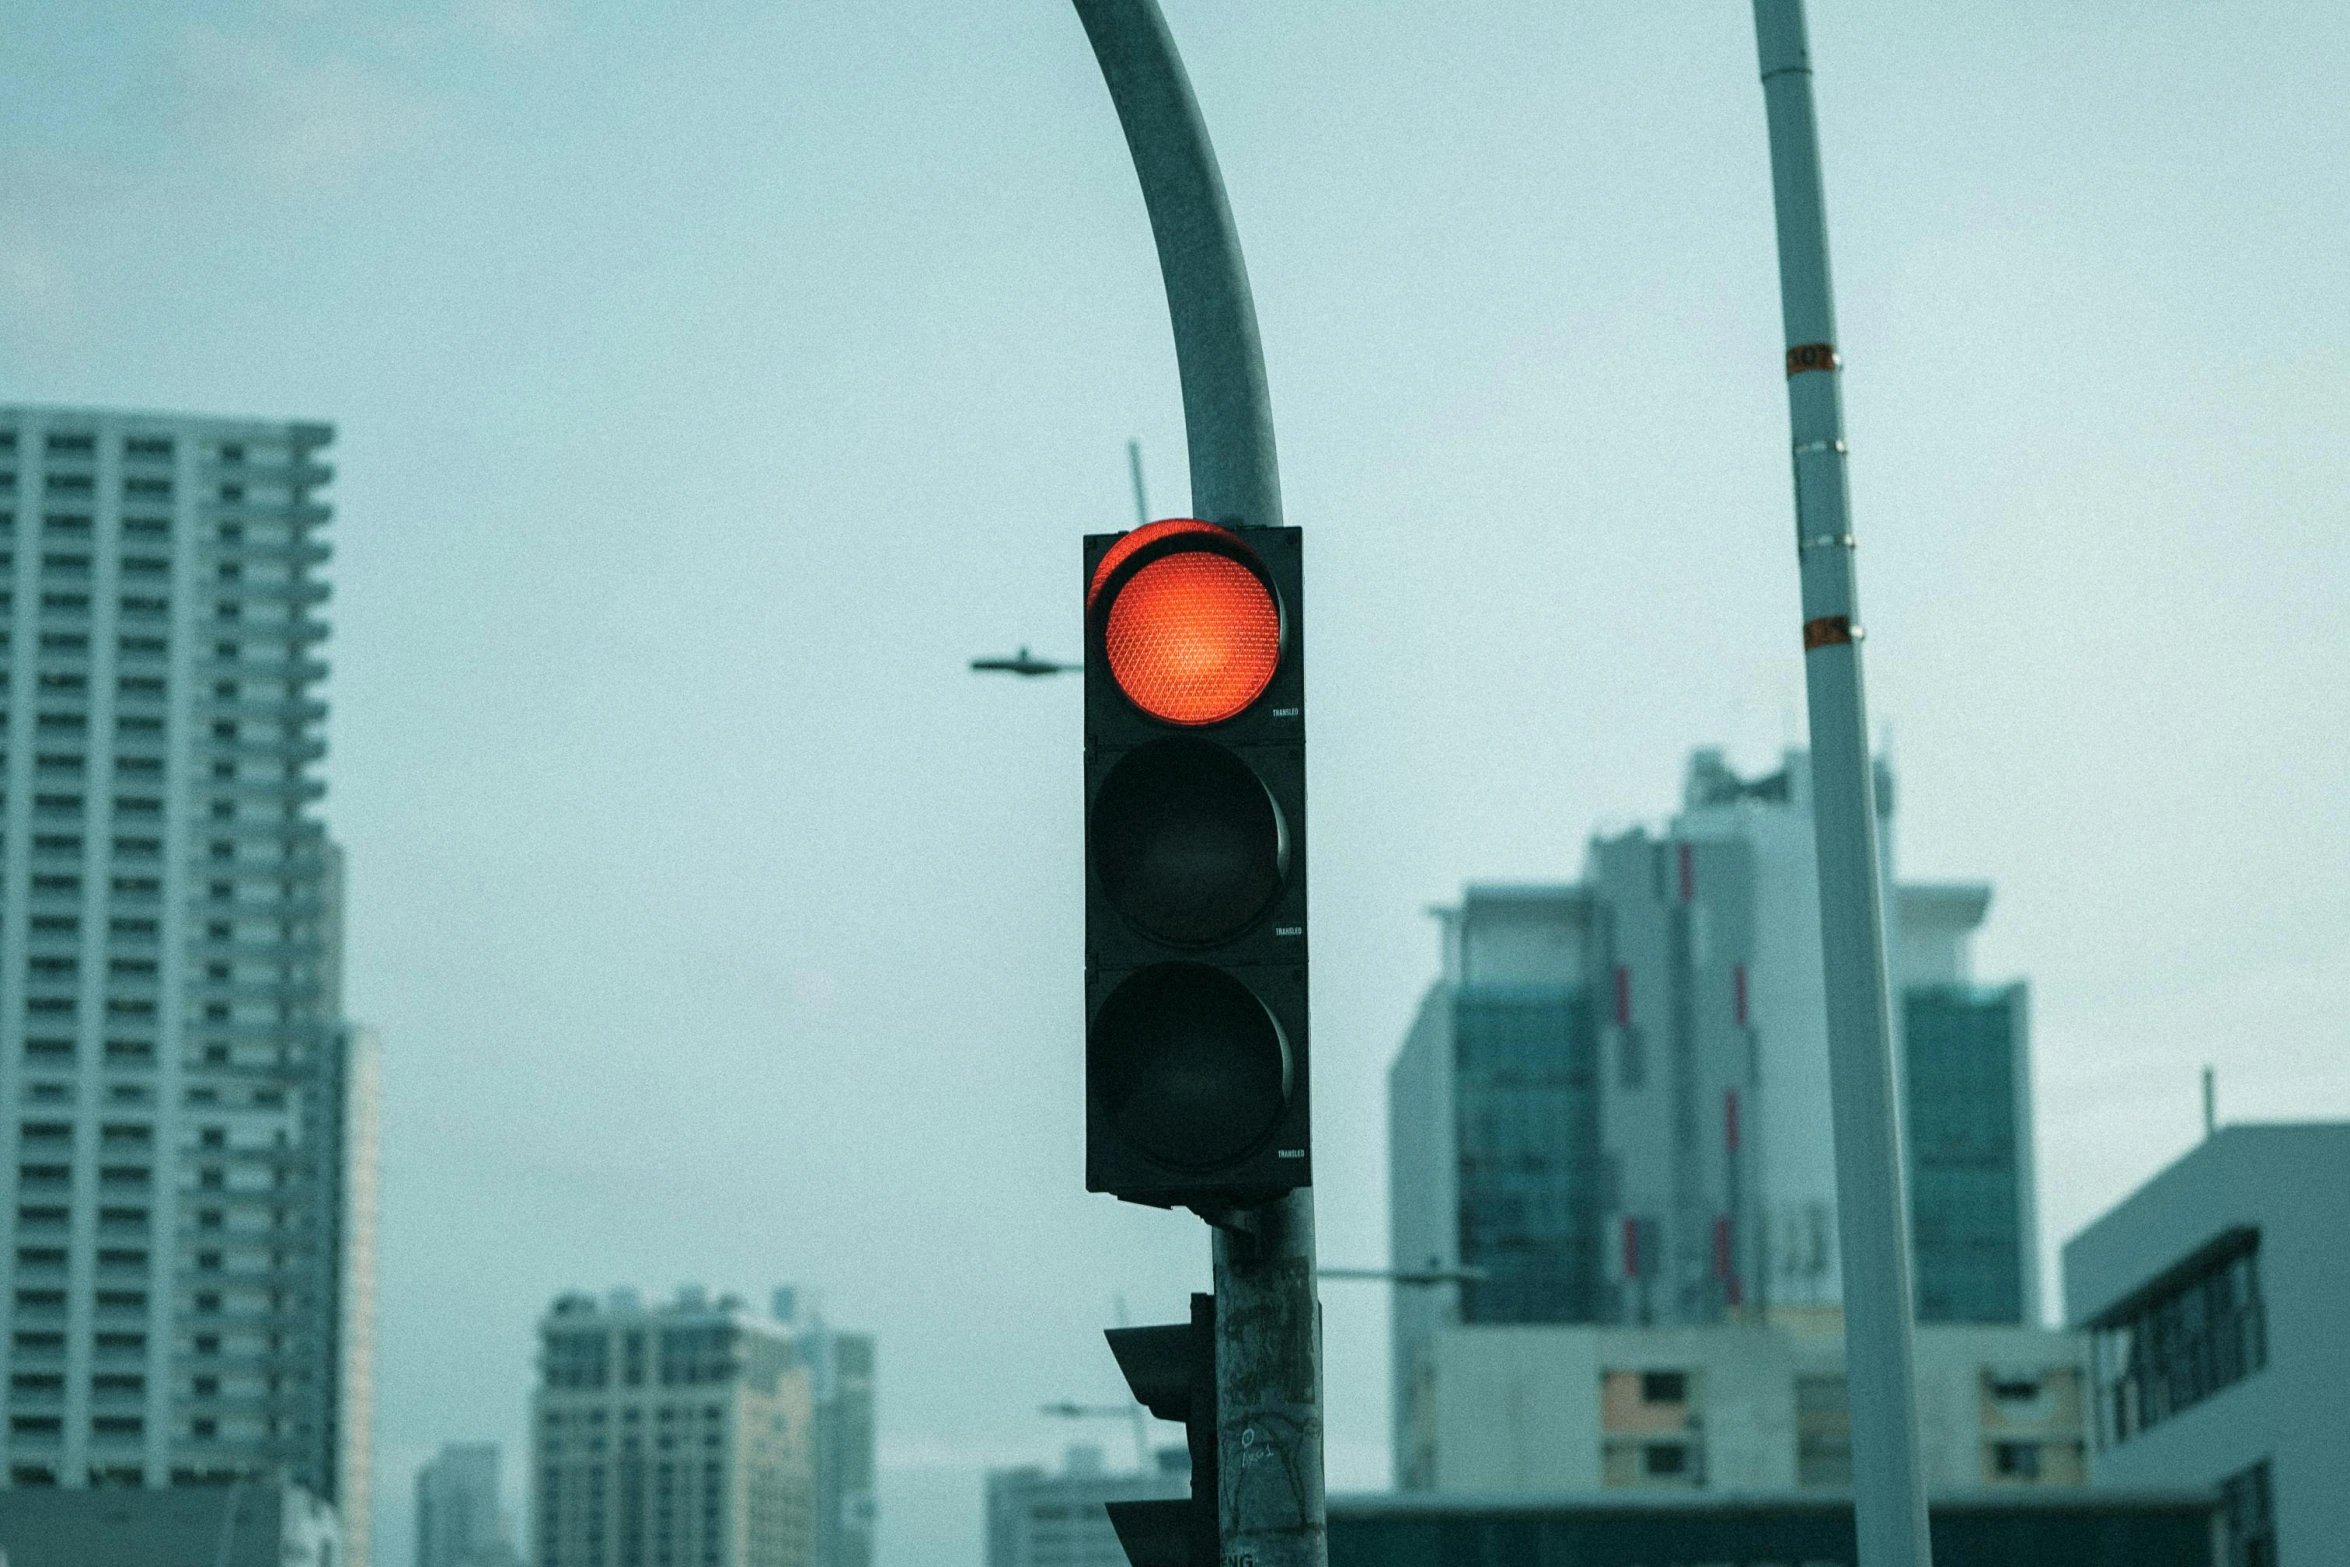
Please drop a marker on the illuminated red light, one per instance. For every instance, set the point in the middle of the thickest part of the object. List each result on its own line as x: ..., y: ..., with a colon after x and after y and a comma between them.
x: 1193, y: 637
x: 1150, y: 533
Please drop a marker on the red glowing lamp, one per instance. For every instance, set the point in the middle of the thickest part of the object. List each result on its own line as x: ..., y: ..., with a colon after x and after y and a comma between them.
x: 1192, y: 634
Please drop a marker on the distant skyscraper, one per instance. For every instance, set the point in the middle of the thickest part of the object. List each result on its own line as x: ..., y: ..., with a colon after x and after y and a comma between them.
x: 686, y: 1433
x: 840, y: 1374
x: 188, y: 1291
x: 458, y: 1517
x: 1615, y: 1099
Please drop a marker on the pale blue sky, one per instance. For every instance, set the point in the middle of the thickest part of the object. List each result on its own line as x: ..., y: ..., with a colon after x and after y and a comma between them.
x: 714, y: 378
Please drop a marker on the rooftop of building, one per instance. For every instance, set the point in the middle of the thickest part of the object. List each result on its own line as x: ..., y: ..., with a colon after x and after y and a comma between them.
x: 2264, y: 1177
x: 622, y: 1306
x: 307, y: 432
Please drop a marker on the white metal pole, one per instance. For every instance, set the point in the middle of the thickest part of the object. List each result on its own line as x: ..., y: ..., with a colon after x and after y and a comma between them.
x: 1871, y: 1199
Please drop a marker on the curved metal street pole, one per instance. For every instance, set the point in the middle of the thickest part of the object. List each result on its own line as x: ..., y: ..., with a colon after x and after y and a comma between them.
x: 1871, y: 1203
x: 1227, y: 416
x: 1269, y: 1500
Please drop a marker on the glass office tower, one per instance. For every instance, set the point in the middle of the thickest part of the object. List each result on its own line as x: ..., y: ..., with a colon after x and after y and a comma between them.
x: 1967, y: 1126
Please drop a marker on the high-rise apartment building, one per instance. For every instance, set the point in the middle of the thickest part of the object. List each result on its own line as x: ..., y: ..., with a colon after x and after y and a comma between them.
x: 840, y: 1380
x: 1614, y: 1100
x: 186, y: 1288
x: 692, y: 1434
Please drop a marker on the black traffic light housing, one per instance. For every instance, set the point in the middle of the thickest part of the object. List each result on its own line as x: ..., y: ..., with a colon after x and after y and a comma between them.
x: 1195, y: 916
x: 1173, y: 1373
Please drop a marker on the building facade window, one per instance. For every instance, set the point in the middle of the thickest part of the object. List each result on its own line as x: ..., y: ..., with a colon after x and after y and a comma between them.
x: 1965, y: 1169
x: 1532, y: 1187
x: 2248, y: 1511
x: 2194, y: 1331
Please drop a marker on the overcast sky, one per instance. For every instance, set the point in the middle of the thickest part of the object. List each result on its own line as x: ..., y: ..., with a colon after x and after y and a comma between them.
x: 714, y: 379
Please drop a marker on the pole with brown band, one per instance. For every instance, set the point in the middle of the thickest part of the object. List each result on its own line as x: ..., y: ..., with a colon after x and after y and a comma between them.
x: 1871, y: 1202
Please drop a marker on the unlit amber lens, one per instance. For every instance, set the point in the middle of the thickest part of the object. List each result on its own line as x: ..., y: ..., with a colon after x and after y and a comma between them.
x: 1193, y: 638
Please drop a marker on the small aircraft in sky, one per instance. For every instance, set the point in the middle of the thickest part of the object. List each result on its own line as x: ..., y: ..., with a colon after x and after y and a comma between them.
x: 1022, y: 663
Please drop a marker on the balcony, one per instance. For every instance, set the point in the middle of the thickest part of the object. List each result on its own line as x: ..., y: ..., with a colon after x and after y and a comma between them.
x: 304, y: 904
x: 287, y: 1404
x: 263, y: 1031
x: 257, y: 668
x: 303, y: 513
x: 274, y: 789
x: 35, y: 1433
x: 230, y: 1199
x: 257, y: 830
x: 299, y: 551
x: 297, y: 867
x: 244, y: 1319
x: 300, y: 949
x: 287, y: 1279
x: 293, y: 1365
x: 296, y: 592
x: 284, y: 709
x: 304, y: 472
x: 243, y: 749
x: 294, y: 990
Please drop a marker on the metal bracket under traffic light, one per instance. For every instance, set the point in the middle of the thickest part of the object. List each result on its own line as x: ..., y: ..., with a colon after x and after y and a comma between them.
x: 1172, y: 1371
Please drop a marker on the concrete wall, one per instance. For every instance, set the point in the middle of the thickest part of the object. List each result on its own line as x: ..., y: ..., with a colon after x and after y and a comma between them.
x: 1520, y: 1409
x: 243, y: 1525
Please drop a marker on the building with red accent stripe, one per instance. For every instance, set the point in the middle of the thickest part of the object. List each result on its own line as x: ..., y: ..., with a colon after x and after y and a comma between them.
x: 1614, y: 1101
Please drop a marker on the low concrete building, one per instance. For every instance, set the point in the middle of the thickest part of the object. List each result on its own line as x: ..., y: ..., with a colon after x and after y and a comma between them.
x: 1036, y: 1519
x: 2073, y: 1527
x: 246, y: 1524
x: 1550, y: 1409
x: 2214, y: 1297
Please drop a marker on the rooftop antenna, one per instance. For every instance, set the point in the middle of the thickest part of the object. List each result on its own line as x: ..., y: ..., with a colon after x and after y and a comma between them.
x: 2210, y: 1104
x: 1142, y: 509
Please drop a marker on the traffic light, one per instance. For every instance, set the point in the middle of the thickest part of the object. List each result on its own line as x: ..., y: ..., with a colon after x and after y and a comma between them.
x: 1173, y: 1373
x: 1195, y: 910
